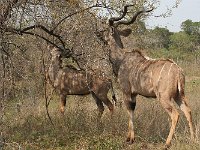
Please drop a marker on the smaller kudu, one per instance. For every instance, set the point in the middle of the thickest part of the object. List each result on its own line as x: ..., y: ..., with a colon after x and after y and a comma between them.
x: 139, y: 75
x: 70, y: 81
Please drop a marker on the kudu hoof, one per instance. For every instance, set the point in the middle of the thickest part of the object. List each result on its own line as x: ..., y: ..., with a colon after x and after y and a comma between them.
x: 166, y: 146
x: 62, y: 112
x: 130, y: 141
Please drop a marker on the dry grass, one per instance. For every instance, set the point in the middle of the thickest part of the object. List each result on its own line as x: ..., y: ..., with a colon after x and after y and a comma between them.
x: 30, y: 128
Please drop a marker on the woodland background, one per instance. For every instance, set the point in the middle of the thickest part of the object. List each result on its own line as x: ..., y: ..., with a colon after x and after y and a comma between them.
x: 28, y: 26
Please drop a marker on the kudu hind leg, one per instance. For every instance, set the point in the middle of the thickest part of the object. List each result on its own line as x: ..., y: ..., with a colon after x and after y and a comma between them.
x: 174, y: 115
x: 187, y: 112
x: 130, y: 102
x: 103, y: 97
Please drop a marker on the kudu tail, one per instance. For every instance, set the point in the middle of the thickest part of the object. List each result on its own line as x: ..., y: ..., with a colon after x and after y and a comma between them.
x: 113, y: 93
x: 181, y: 86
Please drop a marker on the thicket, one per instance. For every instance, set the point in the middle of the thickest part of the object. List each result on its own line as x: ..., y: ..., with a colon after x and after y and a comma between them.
x: 25, y: 29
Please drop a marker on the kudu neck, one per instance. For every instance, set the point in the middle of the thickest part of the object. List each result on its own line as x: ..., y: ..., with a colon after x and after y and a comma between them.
x: 54, y: 68
x: 116, y: 55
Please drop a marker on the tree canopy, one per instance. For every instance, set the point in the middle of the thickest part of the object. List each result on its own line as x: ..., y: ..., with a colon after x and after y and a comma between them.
x: 27, y: 26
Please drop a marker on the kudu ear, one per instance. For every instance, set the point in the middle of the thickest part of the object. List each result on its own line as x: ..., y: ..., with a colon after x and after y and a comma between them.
x: 125, y: 32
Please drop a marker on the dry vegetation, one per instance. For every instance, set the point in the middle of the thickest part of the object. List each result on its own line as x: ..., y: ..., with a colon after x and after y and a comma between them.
x: 26, y: 125
x: 23, y: 119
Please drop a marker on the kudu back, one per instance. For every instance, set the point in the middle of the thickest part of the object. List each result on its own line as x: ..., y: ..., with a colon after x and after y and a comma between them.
x: 70, y: 81
x: 139, y: 75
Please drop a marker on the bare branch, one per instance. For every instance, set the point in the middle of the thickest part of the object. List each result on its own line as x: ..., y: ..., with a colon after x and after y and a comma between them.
x: 70, y: 15
x: 26, y: 31
x: 44, y: 29
x: 97, y: 5
x: 47, y: 99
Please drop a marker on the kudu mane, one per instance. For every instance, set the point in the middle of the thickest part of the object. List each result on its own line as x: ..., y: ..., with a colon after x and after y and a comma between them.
x: 152, y: 59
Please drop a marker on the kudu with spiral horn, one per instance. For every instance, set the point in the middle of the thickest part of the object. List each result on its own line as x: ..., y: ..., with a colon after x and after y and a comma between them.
x: 139, y: 75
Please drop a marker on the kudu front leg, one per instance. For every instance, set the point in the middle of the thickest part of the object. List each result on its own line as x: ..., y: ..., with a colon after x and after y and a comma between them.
x: 99, y: 105
x: 130, y: 102
x: 108, y: 103
x: 63, y: 103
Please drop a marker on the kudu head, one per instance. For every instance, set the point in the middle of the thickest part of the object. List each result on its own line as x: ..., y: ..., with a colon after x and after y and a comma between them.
x: 114, y: 34
x: 56, y: 52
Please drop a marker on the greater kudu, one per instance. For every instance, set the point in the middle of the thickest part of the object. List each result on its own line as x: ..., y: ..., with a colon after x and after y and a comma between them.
x: 70, y: 81
x: 138, y: 75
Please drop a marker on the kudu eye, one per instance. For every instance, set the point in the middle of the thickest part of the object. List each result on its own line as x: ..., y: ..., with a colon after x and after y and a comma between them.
x: 112, y: 30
